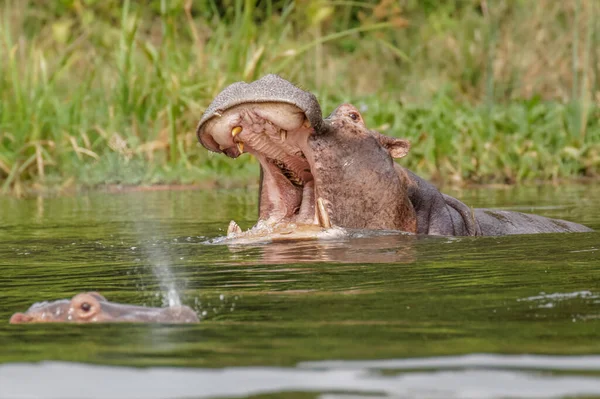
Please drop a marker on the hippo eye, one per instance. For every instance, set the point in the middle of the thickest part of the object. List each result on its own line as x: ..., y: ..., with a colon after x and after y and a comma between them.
x: 86, y: 307
x: 354, y: 116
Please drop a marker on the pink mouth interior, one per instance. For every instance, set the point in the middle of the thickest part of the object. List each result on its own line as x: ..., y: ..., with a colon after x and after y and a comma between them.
x: 276, y: 134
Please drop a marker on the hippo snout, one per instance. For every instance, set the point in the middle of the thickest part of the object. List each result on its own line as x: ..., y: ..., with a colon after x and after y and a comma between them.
x: 20, y: 318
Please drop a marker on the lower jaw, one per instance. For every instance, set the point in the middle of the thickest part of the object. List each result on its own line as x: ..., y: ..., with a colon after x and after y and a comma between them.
x: 313, y: 212
x: 279, y: 208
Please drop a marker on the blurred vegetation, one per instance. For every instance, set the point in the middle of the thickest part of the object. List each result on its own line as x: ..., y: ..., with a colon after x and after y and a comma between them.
x: 109, y: 92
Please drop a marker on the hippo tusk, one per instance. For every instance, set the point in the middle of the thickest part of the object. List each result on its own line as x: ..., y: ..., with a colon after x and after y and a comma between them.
x: 283, y: 135
x: 233, y: 228
x: 322, y: 214
x: 236, y: 130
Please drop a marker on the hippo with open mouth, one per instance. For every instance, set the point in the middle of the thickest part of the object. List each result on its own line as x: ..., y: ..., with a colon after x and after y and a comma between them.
x: 91, y: 307
x: 337, y: 172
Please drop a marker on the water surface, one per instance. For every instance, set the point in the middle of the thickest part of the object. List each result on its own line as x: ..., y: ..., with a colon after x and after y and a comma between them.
x: 392, y: 316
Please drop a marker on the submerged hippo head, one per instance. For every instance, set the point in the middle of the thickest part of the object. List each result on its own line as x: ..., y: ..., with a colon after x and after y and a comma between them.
x: 91, y: 307
x: 332, y: 171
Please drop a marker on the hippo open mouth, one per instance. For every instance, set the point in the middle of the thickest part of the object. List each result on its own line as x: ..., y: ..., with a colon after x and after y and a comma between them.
x: 336, y: 171
x: 276, y: 133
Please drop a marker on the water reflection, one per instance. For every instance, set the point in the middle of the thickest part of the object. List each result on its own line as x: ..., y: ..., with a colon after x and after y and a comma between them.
x: 483, y: 377
x: 356, y: 247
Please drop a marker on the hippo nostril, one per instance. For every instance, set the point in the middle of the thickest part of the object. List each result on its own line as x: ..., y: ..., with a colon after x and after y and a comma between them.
x: 86, y: 307
x: 19, y: 318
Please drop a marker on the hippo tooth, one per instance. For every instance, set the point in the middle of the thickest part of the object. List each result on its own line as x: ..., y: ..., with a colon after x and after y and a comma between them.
x: 306, y: 123
x: 233, y: 228
x: 322, y: 214
x: 283, y: 135
x: 235, y: 131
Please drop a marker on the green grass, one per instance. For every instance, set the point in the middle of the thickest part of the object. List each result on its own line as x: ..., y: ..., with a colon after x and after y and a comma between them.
x: 109, y: 92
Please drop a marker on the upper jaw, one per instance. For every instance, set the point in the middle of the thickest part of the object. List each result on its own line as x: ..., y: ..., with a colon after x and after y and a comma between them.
x: 244, y: 123
x: 270, y: 89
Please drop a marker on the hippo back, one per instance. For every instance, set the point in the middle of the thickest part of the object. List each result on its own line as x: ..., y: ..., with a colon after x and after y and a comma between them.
x: 493, y: 222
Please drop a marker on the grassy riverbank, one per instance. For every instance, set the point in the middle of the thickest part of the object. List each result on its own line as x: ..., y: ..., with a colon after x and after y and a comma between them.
x: 109, y: 92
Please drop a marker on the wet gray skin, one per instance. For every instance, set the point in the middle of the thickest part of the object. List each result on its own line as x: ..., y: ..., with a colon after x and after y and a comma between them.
x: 335, y: 171
x: 91, y: 307
x: 354, y: 174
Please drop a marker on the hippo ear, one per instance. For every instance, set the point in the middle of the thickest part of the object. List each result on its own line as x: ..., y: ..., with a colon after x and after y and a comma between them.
x: 397, y: 148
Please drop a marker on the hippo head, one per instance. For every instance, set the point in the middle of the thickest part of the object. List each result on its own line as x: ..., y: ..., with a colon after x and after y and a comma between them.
x: 91, y: 307
x: 81, y: 308
x: 332, y: 171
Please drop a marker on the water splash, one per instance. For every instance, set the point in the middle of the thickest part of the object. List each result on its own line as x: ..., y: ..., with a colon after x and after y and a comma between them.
x: 160, y: 262
x: 560, y: 296
x: 168, y: 285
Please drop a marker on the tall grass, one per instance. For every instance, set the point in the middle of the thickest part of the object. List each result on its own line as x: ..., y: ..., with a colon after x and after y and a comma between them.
x: 109, y: 92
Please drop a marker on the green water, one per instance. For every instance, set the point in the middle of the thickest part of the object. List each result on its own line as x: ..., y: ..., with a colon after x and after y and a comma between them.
x: 277, y: 305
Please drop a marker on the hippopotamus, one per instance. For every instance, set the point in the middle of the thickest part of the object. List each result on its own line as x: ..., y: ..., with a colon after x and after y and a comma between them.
x: 91, y: 307
x: 335, y: 171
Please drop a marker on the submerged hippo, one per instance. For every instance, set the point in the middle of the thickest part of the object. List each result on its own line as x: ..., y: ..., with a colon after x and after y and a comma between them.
x: 337, y: 172
x: 91, y: 307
